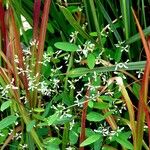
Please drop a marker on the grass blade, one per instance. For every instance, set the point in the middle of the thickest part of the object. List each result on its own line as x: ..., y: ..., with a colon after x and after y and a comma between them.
x: 42, y: 36
x: 107, y: 17
x: 126, y: 7
x: 74, y: 23
x: 130, y: 66
x: 142, y: 109
x: 97, y: 26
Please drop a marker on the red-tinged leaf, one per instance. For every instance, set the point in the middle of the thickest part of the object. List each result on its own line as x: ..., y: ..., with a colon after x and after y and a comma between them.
x: 147, y: 51
x: 42, y: 35
x: 41, y: 42
x: 144, y: 91
x: 36, y: 18
x: 2, y: 26
x: 19, y: 50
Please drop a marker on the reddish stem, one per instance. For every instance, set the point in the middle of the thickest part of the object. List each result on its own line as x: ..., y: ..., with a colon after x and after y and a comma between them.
x: 2, y: 26
x: 36, y: 16
x: 83, y: 119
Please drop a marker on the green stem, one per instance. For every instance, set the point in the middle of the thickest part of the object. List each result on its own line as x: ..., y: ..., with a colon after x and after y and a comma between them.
x: 33, y: 133
x: 68, y: 69
x: 65, y: 136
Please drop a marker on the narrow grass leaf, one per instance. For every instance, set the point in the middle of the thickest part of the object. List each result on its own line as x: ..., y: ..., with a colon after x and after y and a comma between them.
x: 74, y: 23
x: 96, y: 23
x: 136, y: 37
x: 82, y: 71
x: 143, y: 109
x: 126, y: 9
x: 107, y: 17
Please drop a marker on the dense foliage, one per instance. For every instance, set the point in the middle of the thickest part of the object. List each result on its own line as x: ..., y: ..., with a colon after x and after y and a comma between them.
x: 74, y: 74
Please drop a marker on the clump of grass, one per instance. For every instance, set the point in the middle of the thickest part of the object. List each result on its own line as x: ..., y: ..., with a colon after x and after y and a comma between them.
x: 78, y: 86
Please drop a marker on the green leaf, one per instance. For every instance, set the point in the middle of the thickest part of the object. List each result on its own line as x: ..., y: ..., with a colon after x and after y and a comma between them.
x: 7, y: 121
x: 63, y: 120
x: 98, y: 143
x: 30, y: 125
x: 66, y: 98
x: 101, y: 105
x: 46, y: 70
x: 73, y: 137
x: 121, y: 140
x: 118, y: 55
x: 94, y: 116
x: 50, y: 50
x: 52, y: 143
x: 90, y: 104
x: 91, y: 61
x: 94, y: 34
x: 66, y: 46
x: 5, y: 105
x: 106, y: 147
x: 53, y: 140
x: 50, y: 28
x: 38, y: 110
x: 4, y: 134
x: 90, y: 140
x: 51, y: 119
x: 136, y: 89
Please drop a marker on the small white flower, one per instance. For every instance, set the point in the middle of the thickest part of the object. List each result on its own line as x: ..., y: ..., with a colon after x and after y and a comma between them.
x: 140, y: 73
x: 71, y: 84
x: 16, y: 59
x: 72, y: 123
x: 34, y: 42
x: 23, y: 146
x: 73, y: 36
x: 70, y: 148
x: 18, y: 136
x: 2, y: 134
x: 121, y: 45
x: 121, y: 65
x: 55, y: 83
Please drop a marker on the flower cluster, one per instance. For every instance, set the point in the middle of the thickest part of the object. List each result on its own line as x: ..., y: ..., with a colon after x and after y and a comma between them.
x: 121, y: 45
x: 84, y: 50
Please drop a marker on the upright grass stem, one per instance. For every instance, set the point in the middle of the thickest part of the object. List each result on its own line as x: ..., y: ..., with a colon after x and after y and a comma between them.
x: 97, y: 26
x: 67, y: 125
x: 41, y: 45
